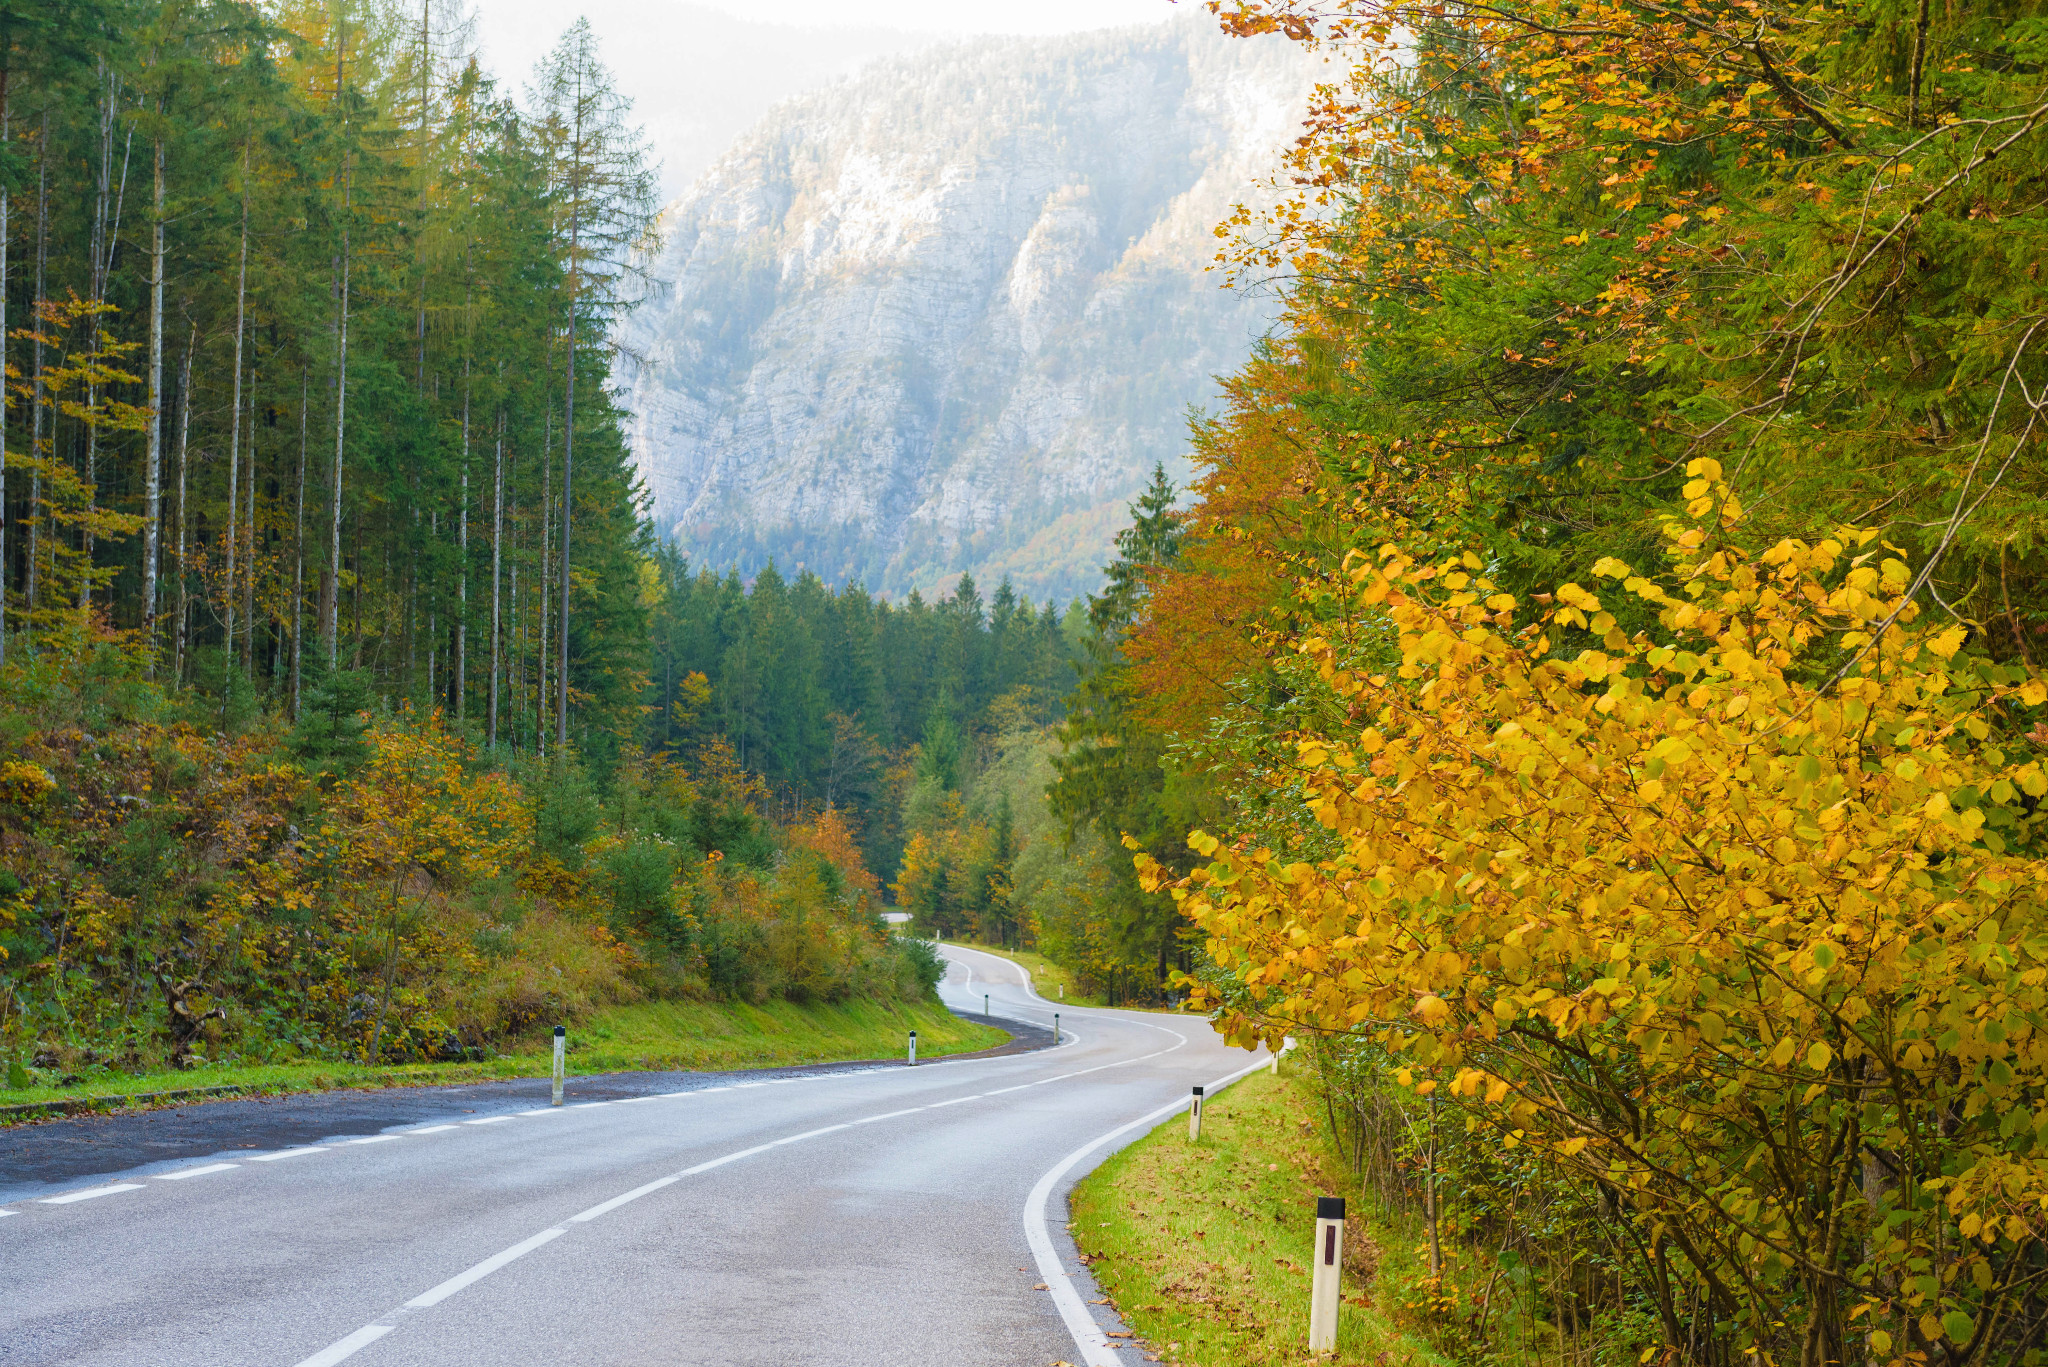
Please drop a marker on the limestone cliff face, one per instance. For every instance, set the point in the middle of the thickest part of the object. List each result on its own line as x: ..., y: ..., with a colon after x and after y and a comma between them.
x: 947, y: 315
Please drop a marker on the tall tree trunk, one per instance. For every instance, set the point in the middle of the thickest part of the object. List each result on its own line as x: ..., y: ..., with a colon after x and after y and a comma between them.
x: 35, y: 434
x: 249, y: 544
x: 330, y: 629
x: 299, y: 545
x: 547, y: 479
x: 235, y: 422
x: 103, y: 190
x: 462, y: 555
x: 152, y: 479
x: 569, y: 422
x: 184, y: 520
x: 6, y: 142
x: 497, y: 561
x: 108, y: 234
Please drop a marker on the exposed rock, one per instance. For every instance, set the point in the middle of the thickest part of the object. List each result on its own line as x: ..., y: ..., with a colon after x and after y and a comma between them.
x: 948, y: 314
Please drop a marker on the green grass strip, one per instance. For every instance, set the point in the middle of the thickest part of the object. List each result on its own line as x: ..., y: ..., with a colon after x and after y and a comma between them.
x: 706, y: 1036
x: 1205, y: 1248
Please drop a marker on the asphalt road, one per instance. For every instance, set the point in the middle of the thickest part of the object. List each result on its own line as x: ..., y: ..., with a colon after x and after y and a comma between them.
x: 878, y: 1217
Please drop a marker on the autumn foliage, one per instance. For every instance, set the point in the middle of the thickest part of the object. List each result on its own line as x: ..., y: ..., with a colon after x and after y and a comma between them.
x: 169, y: 892
x: 1617, y: 596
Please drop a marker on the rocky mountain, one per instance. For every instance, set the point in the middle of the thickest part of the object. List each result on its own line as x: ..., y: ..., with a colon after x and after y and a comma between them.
x: 946, y: 315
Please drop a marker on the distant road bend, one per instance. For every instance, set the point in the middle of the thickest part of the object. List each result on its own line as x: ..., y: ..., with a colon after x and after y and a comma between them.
x: 876, y: 1217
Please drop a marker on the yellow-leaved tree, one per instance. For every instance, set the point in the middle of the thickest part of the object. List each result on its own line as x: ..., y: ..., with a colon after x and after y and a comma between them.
x: 1743, y: 919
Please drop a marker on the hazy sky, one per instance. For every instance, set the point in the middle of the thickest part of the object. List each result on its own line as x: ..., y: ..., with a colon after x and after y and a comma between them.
x: 514, y: 32
x: 701, y: 71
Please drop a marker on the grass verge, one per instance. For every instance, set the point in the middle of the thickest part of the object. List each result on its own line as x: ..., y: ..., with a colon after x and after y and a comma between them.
x: 644, y: 1035
x: 1205, y: 1248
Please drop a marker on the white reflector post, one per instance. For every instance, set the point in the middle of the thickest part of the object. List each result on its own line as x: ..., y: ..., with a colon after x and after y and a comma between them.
x: 1195, y: 1117
x: 984, y: 1006
x: 1055, y: 1027
x: 1324, y: 1290
x: 561, y: 1043
x: 913, y: 1049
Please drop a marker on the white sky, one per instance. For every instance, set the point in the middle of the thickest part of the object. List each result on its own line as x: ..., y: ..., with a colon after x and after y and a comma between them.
x: 957, y: 16
x: 515, y: 32
x: 701, y: 71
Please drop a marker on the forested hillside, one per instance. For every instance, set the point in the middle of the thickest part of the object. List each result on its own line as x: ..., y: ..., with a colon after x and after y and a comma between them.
x: 835, y: 699
x: 293, y: 297
x: 326, y: 602
x: 1602, y: 663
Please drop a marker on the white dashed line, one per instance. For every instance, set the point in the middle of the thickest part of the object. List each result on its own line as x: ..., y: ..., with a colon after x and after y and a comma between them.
x: 285, y: 1153
x: 545, y: 1110
x: 68, y: 1197
x: 431, y: 1129
x: 617, y: 1201
x: 335, y: 1352
x: 194, y: 1172
x: 480, y: 1271
x: 887, y: 1115
x: 374, y: 1139
x: 487, y: 1120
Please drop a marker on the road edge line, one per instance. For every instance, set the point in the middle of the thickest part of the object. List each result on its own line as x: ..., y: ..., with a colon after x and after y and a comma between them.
x: 1089, y: 1338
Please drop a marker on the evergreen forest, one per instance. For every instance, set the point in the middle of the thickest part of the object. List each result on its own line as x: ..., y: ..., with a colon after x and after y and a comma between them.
x: 1590, y: 696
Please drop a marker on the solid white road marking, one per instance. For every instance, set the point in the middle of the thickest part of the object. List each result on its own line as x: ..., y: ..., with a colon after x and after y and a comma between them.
x: 68, y: 1197
x: 482, y: 1269
x: 285, y: 1153
x: 194, y: 1172
x: 335, y: 1352
x: 1096, y: 1350
x: 5, y: 1213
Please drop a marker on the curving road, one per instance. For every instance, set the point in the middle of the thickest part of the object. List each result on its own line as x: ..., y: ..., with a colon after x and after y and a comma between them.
x: 874, y: 1217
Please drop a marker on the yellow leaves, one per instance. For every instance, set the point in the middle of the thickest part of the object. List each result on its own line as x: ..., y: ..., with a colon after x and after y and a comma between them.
x: 1578, y: 598
x: 2033, y: 692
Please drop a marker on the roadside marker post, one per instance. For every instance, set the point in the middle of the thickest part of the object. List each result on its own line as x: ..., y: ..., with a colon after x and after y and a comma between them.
x: 561, y: 1043
x: 1063, y: 991
x: 1055, y: 1027
x: 913, y: 1049
x: 984, y: 1006
x: 1324, y: 1291
x: 1195, y: 1118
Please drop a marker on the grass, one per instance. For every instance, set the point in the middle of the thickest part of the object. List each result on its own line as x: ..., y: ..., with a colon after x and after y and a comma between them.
x: 644, y: 1035
x: 1205, y: 1248
x: 735, y: 1035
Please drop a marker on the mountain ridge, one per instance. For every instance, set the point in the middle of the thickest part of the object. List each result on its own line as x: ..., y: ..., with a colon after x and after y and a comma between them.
x: 946, y: 315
